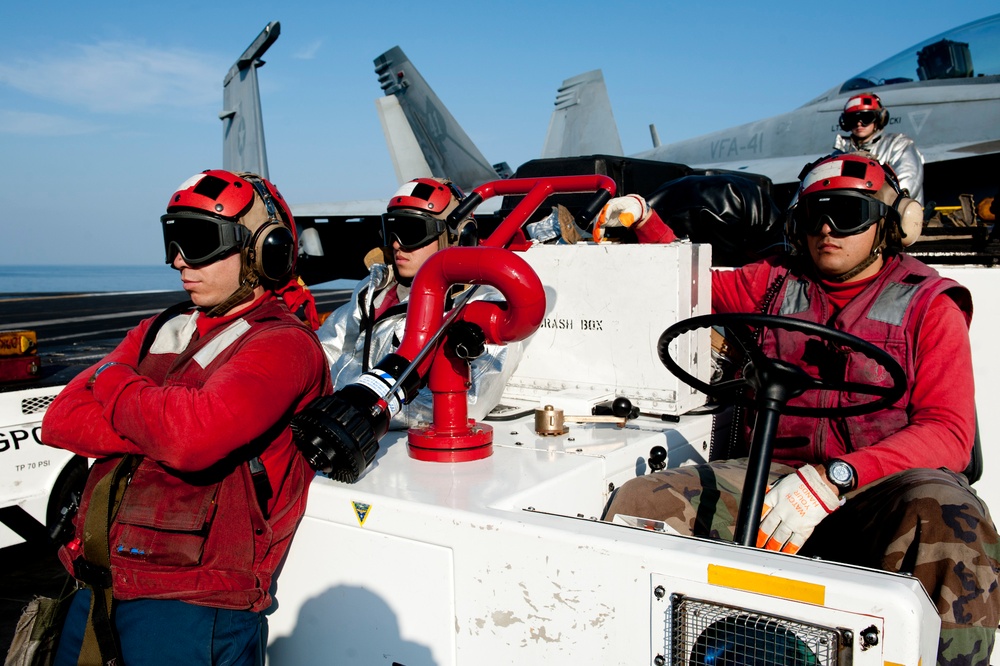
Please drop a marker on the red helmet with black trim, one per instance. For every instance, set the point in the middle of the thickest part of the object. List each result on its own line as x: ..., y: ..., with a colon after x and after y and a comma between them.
x: 849, y: 192
x: 417, y: 214
x: 217, y: 212
x: 866, y: 107
x: 848, y: 171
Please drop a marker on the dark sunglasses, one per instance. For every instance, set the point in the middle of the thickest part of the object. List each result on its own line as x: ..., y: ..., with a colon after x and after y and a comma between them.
x: 200, y: 239
x: 866, y: 118
x: 410, y: 228
x: 847, y: 213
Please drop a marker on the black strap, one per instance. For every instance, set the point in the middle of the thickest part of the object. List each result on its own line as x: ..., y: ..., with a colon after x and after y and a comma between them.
x: 261, y: 484
x: 100, y: 640
x: 367, y: 321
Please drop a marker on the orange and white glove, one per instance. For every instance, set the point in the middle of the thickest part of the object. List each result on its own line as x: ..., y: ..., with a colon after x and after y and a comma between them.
x: 793, y: 508
x: 621, y: 212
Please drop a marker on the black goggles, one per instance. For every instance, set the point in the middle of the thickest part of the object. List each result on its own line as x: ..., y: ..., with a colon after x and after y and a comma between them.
x: 410, y: 228
x: 199, y: 238
x: 848, y: 213
x: 866, y: 118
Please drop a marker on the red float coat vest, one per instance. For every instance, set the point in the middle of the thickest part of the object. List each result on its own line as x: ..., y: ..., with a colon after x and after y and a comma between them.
x: 884, y: 314
x: 203, y: 538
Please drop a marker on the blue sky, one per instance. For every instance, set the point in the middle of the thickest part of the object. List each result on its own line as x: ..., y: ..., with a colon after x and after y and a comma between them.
x: 106, y: 107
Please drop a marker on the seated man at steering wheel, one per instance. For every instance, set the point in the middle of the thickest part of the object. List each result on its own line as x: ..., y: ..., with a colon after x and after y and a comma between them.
x: 883, y: 490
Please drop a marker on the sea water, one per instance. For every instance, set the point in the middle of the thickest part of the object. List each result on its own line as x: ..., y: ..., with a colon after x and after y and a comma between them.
x: 71, y: 279
x: 84, y: 279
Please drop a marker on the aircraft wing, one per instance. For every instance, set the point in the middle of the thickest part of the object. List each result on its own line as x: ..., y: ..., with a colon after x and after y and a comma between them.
x: 355, y: 208
x: 780, y: 170
x: 582, y: 122
x: 363, y: 208
x: 957, y: 151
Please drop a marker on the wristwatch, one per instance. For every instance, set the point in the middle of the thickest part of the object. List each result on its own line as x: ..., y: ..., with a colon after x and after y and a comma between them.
x: 104, y: 366
x: 842, y: 475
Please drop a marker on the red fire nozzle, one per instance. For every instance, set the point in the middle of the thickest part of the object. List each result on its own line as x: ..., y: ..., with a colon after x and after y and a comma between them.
x: 453, y: 436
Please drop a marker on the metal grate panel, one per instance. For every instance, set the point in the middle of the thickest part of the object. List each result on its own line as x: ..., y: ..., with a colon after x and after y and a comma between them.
x: 37, y: 404
x: 703, y: 633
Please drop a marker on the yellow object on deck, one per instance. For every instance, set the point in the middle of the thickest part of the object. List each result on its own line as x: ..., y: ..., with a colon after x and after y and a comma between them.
x: 18, y: 343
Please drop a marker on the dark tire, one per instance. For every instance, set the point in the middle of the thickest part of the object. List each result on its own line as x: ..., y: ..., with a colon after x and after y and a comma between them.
x: 66, y: 493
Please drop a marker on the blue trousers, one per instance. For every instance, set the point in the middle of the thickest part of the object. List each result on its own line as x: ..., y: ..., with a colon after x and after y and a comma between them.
x: 153, y: 631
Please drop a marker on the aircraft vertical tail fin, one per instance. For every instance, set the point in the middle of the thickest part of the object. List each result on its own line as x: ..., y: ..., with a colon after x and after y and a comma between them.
x: 243, y: 146
x: 582, y: 122
x: 407, y: 157
x: 447, y: 150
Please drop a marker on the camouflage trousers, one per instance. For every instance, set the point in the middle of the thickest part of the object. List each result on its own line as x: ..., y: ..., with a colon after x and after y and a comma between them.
x: 928, y: 523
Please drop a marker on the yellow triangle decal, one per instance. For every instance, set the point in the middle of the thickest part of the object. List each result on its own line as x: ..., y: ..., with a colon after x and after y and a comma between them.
x: 361, y: 511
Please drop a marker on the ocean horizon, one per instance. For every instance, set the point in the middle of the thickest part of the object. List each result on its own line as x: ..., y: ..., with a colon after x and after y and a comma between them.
x: 40, y: 278
x: 61, y: 279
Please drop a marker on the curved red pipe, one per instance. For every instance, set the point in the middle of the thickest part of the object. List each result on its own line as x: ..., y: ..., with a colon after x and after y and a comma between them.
x: 506, y: 322
x: 536, y: 191
x: 453, y: 437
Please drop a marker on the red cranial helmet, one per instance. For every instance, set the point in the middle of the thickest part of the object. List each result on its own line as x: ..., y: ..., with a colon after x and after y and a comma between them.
x: 417, y: 214
x: 848, y: 171
x: 849, y: 192
x: 216, y: 212
x: 866, y: 108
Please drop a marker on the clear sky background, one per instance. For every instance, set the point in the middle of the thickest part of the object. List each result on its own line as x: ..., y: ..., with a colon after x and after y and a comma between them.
x: 106, y: 107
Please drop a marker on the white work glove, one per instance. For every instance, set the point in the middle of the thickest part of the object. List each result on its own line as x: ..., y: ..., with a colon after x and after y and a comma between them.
x: 793, y: 508
x: 621, y: 212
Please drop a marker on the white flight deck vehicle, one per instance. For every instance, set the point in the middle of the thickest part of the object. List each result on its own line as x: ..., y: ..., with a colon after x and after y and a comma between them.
x: 481, y: 542
x: 38, y: 484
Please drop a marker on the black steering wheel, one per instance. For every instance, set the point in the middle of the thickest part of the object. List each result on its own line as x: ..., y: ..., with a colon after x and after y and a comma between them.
x: 761, y: 372
x: 773, y: 383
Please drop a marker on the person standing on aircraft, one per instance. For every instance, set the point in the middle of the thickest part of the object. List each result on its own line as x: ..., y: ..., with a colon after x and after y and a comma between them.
x: 885, y: 490
x: 865, y: 118
x: 188, y: 419
x: 370, y: 325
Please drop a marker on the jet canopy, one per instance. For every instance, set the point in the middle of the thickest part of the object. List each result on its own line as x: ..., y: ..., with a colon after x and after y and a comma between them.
x: 968, y: 51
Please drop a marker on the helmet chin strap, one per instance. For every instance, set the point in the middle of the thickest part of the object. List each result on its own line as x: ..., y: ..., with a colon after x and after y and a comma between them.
x: 248, y: 282
x: 865, y: 263
x: 878, y: 245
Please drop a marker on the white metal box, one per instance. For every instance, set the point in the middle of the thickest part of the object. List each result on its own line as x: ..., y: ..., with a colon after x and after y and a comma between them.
x: 606, y: 306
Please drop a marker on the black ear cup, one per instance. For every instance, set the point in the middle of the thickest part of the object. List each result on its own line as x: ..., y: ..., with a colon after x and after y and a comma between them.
x: 468, y: 233
x: 272, y: 251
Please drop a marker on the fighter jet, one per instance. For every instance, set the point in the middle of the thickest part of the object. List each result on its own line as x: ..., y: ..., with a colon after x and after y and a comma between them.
x: 943, y: 92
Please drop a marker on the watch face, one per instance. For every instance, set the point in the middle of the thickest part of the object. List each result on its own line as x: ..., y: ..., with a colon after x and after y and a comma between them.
x: 840, y: 473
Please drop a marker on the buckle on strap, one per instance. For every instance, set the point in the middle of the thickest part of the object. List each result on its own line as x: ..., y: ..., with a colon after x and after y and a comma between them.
x: 91, y: 574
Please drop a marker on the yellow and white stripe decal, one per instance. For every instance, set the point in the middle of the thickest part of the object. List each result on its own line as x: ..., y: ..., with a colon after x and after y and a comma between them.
x: 774, y: 586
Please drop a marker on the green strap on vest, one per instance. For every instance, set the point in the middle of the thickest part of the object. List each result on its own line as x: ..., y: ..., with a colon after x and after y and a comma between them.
x: 100, y: 641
